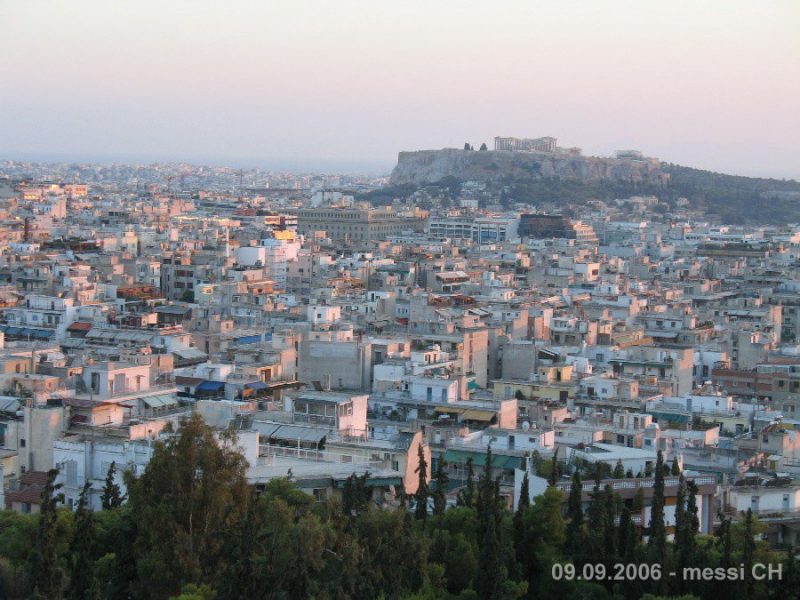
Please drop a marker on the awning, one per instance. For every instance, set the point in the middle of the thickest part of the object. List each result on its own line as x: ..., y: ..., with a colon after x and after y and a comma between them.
x: 294, y: 434
x: 190, y: 354
x: 44, y: 334
x: 210, y: 386
x: 477, y: 415
x: 161, y: 401
x: 500, y: 461
x: 449, y: 410
x: 248, y: 339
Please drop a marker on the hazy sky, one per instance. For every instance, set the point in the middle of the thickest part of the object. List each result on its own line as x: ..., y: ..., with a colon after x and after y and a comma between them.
x: 713, y: 84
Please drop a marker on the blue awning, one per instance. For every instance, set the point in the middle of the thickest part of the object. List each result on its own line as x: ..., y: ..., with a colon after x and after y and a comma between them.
x: 44, y: 334
x: 248, y: 339
x: 210, y: 386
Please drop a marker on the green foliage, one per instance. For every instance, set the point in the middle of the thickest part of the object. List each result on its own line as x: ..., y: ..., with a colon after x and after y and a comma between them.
x: 111, y: 496
x: 213, y: 538
x: 423, y: 491
x: 47, y: 568
x: 191, y: 493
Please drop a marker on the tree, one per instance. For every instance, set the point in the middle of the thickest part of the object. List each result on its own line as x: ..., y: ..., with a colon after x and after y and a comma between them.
x: 421, y: 510
x: 575, y: 537
x: 466, y: 497
x: 111, y: 497
x: 46, y: 570
x: 748, y: 551
x: 555, y: 471
x: 595, y: 520
x: 619, y: 470
x: 356, y: 495
x: 524, y: 494
x: 439, y: 495
x: 185, y: 506
x: 484, y: 147
x: 637, y: 505
x: 657, y: 542
x: 82, y: 580
x: 676, y: 468
x: 467, y: 146
x: 609, y: 525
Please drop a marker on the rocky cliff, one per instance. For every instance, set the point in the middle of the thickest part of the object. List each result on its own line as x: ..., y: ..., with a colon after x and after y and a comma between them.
x: 430, y: 166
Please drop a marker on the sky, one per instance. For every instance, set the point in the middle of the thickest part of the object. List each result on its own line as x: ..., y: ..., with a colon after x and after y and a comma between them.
x: 346, y: 84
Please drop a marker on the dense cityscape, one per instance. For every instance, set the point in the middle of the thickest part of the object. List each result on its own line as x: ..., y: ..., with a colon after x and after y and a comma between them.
x: 420, y: 300
x: 491, y: 391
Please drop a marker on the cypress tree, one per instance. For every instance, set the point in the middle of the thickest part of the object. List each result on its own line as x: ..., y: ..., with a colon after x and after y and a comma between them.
x: 439, y: 496
x: 82, y: 581
x: 47, y: 574
x: 595, y: 522
x: 676, y: 468
x: 747, y: 554
x: 421, y: 497
x: 466, y: 497
x: 111, y: 497
x: 619, y: 470
x: 555, y: 472
x: 524, y: 494
x: 609, y: 527
x: 680, y: 514
x: 657, y: 543
x: 575, y: 538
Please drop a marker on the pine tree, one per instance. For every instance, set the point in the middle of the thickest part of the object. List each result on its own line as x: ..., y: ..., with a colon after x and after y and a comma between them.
x: 619, y: 470
x: 676, y: 468
x: 421, y: 497
x: 440, y: 495
x: 111, y: 496
x: 46, y: 572
x: 82, y: 581
x: 187, y: 502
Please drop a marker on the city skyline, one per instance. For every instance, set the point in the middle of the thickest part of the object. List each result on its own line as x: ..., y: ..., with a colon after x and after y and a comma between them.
x: 311, y: 86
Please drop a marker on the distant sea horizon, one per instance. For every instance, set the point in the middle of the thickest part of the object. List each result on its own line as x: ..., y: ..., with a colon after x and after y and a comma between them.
x: 284, y: 164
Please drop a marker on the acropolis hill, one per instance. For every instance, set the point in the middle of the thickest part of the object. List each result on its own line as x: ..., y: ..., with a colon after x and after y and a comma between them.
x: 517, y: 159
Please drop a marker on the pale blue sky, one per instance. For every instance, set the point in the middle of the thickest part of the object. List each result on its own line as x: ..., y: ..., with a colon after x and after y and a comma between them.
x: 712, y: 84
